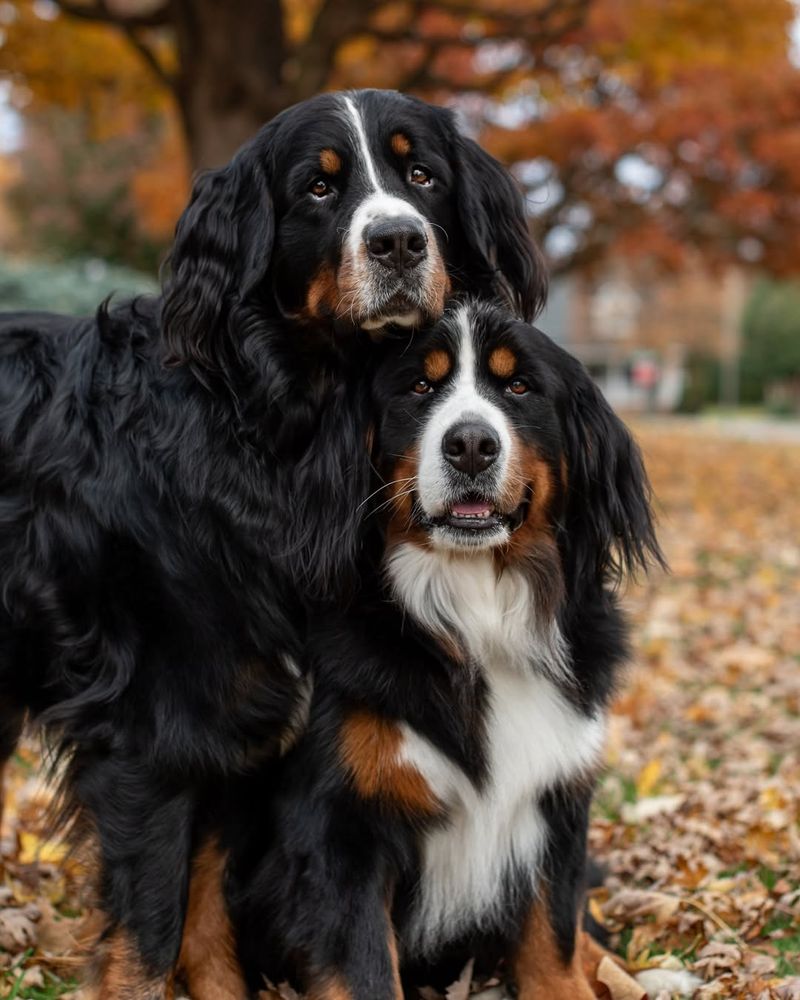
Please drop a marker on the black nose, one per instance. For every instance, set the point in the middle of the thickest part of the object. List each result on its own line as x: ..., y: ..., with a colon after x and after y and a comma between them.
x: 399, y: 244
x: 471, y: 447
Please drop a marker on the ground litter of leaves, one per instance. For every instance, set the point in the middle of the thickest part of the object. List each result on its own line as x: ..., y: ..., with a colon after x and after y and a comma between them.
x: 697, y: 818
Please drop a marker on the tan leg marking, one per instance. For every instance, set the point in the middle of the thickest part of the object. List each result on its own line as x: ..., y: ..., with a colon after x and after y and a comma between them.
x: 539, y: 968
x: 124, y: 976
x: 329, y: 988
x: 208, y: 958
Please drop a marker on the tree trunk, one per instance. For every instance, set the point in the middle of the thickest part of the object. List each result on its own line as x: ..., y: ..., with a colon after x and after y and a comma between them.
x: 231, y: 57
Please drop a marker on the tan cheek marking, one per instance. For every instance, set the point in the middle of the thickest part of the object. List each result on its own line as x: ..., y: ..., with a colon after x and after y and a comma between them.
x: 400, y: 502
x: 534, y: 542
x: 437, y: 365
x: 502, y: 362
x: 529, y: 469
x: 402, y: 531
x: 539, y: 968
x: 330, y: 161
x: 370, y: 750
x: 208, y: 951
x: 322, y: 298
x: 401, y: 144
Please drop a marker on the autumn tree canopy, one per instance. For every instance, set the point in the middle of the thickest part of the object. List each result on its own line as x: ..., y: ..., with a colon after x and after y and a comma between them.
x: 637, y: 127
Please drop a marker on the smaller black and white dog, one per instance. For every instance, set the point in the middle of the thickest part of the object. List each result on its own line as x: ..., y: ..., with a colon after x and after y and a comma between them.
x: 436, y: 807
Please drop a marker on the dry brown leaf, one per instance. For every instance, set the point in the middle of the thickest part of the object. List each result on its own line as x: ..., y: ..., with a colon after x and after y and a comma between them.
x: 629, y: 903
x: 620, y: 985
x: 283, y: 991
x: 459, y: 990
x: 59, y: 935
x: 17, y: 929
x: 33, y: 978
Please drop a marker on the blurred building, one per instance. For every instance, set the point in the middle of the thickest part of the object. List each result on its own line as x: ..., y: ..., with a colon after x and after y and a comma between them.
x: 636, y: 335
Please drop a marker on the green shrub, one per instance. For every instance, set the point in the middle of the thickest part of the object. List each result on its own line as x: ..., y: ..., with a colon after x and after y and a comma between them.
x: 702, y: 385
x: 75, y: 287
x: 770, y: 338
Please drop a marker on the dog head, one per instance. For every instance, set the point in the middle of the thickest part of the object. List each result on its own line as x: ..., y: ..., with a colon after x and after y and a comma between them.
x: 490, y: 437
x: 353, y: 210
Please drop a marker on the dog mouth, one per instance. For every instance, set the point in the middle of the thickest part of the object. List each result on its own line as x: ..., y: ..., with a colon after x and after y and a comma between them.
x: 473, y: 515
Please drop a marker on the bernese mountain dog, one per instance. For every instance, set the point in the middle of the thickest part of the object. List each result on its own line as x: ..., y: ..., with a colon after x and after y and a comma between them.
x: 181, y: 477
x: 436, y: 806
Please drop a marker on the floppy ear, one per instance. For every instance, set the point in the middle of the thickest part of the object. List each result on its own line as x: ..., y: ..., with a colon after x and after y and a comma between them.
x: 609, y: 530
x: 501, y: 258
x: 222, y: 249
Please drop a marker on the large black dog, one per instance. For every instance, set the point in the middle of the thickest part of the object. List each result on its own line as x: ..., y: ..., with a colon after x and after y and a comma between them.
x: 436, y: 806
x: 180, y: 476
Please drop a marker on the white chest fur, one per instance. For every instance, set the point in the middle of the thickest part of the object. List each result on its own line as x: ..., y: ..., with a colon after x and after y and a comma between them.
x: 535, y: 739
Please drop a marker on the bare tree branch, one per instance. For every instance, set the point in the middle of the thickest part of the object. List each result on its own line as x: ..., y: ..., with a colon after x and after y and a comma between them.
x: 336, y: 22
x: 149, y: 56
x: 537, y: 30
x: 131, y: 25
x: 506, y: 21
x: 100, y: 11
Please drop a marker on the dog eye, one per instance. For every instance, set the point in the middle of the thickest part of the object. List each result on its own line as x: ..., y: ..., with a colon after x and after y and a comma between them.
x: 420, y: 175
x: 421, y: 387
x: 320, y: 188
x: 518, y: 386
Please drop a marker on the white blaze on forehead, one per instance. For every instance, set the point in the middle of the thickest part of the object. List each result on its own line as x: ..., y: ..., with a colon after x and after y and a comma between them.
x: 464, y: 399
x: 378, y: 204
x: 362, y: 146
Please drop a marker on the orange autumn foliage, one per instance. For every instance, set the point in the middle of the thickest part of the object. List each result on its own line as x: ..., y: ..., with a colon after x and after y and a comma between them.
x: 701, y: 98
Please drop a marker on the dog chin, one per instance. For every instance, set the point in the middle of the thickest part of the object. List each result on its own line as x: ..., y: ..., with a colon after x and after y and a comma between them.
x: 453, y: 540
x: 412, y: 318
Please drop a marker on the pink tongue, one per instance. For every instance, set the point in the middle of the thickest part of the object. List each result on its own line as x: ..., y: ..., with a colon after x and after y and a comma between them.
x: 472, y: 509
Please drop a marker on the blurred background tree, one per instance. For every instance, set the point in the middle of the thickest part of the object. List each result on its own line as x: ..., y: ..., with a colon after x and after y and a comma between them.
x: 771, y: 356
x: 651, y: 137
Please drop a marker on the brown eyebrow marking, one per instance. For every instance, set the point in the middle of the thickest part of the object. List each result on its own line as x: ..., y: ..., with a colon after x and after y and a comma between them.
x: 437, y: 365
x: 330, y: 161
x: 502, y: 362
x: 401, y: 144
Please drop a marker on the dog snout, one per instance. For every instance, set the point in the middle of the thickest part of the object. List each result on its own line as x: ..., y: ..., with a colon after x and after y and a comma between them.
x: 471, y: 447
x: 398, y: 244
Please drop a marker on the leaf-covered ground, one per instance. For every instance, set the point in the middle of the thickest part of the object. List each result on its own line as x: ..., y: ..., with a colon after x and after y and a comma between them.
x: 698, y: 816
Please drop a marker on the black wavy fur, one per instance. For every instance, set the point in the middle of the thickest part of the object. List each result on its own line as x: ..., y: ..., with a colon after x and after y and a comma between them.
x: 181, y: 476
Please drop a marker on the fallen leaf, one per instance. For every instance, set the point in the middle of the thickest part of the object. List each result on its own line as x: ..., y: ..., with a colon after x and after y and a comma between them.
x: 17, y: 929
x: 459, y: 990
x: 629, y: 903
x: 620, y: 985
x: 33, y: 978
x: 648, y: 778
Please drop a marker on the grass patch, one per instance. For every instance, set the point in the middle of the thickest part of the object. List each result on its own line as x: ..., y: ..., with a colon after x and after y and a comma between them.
x: 788, y: 963
x: 53, y: 988
x: 768, y: 877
